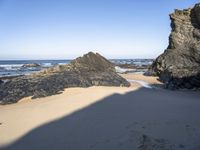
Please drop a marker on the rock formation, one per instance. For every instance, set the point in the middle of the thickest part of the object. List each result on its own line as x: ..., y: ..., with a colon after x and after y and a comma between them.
x: 31, y: 65
x: 179, y: 65
x: 133, y: 66
x: 91, y: 69
x: 92, y: 62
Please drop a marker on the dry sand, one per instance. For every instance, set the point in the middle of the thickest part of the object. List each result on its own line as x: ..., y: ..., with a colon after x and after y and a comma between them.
x: 104, y: 118
x: 149, y: 79
x: 17, y: 119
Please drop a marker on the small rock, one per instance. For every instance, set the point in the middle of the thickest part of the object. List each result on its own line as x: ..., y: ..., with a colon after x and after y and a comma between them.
x: 31, y: 65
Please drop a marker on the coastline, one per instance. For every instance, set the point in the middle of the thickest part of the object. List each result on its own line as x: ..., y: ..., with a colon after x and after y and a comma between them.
x: 130, y: 100
x: 13, y: 68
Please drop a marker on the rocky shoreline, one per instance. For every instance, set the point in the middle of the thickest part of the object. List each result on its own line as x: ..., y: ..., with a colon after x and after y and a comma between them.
x: 178, y: 67
x: 89, y: 70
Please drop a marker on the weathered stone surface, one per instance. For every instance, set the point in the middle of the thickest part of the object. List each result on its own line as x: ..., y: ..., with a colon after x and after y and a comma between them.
x: 91, y: 69
x: 31, y: 65
x: 92, y: 62
x: 1, y: 81
x: 179, y: 65
x: 132, y: 66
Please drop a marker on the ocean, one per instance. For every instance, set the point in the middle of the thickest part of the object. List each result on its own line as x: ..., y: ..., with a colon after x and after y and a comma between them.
x: 10, y: 68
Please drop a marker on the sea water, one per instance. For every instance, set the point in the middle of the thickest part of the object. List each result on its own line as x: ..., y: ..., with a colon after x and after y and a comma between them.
x: 9, y: 68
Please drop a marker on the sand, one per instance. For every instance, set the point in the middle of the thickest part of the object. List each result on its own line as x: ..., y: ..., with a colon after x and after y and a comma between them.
x: 149, y: 79
x: 18, y: 119
x: 108, y: 118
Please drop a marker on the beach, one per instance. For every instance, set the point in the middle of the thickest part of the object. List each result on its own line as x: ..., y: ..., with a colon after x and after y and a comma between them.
x: 101, y: 117
x: 93, y: 75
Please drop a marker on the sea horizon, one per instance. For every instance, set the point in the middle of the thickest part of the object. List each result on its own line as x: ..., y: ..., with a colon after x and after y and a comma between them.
x: 9, y: 68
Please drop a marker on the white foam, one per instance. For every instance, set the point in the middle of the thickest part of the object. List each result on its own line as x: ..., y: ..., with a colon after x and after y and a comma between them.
x: 123, y: 70
x: 62, y: 63
x: 11, y: 66
x: 46, y: 64
x: 143, y: 83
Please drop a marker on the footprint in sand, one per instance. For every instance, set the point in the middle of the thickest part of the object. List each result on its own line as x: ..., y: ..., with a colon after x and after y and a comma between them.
x: 149, y: 143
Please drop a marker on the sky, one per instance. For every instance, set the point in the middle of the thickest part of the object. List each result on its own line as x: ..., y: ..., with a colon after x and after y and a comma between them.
x: 66, y: 29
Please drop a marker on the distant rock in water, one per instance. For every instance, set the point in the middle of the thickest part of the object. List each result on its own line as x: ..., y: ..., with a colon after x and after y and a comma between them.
x: 133, y: 66
x: 91, y: 69
x: 31, y: 65
x: 179, y: 65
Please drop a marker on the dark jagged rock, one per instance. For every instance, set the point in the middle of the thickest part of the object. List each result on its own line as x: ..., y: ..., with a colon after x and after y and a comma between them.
x: 31, y: 65
x: 1, y: 82
x: 91, y: 69
x: 9, y: 77
x: 132, y: 66
x: 179, y: 65
x: 92, y: 62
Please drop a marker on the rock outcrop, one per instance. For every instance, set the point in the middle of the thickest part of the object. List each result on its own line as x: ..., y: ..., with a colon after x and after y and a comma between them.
x: 92, y: 62
x: 91, y: 69
x: 179, y: 65
x: 31, y: 65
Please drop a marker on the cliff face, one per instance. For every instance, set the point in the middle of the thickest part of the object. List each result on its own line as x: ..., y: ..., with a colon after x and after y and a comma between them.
x: 179, y: 65
x: 91, y: 69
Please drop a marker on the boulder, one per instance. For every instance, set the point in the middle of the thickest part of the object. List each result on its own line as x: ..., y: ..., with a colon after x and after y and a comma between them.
x: 89, y: 70
x: 1, y: 82
x: 179, y: 65
x: 31, y: 65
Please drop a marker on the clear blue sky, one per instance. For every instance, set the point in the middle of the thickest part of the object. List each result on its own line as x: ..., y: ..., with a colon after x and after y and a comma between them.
x: 65, y: 29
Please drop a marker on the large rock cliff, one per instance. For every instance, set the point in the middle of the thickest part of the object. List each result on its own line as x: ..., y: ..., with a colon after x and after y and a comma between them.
x: 179, y: 65
x: 91, y: 69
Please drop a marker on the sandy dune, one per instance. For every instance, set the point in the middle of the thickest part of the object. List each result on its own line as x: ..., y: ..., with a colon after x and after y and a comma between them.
x: 108, y: 118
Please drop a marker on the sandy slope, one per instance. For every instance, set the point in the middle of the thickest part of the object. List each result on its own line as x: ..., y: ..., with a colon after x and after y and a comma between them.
x: 108, y: 118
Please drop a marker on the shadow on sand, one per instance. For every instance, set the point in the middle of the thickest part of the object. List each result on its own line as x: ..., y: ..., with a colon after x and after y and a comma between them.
x: 146, y: 119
